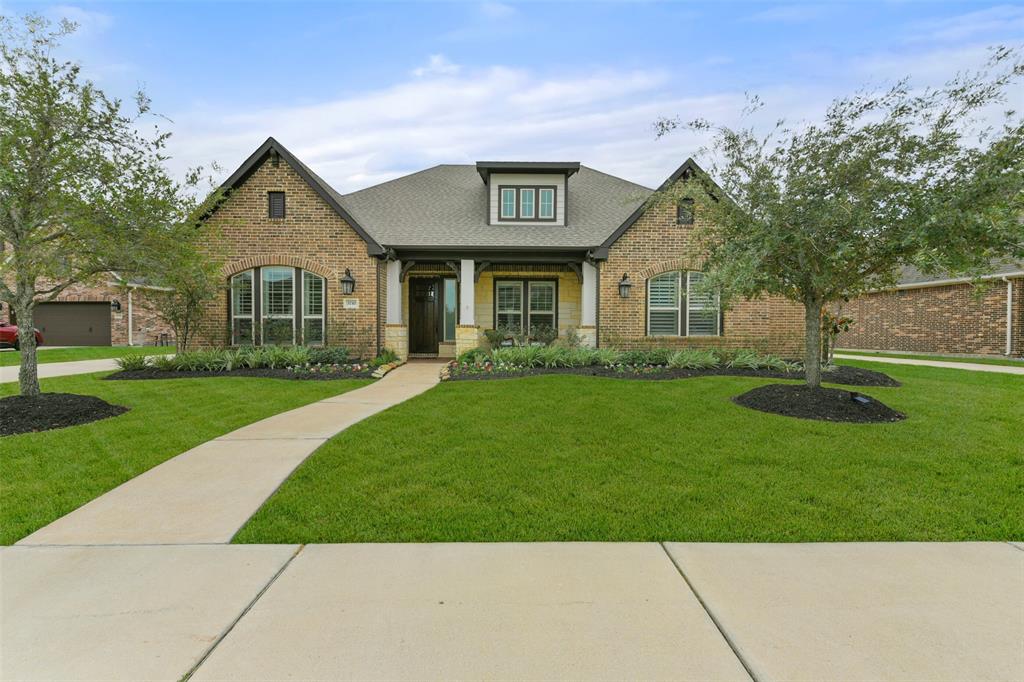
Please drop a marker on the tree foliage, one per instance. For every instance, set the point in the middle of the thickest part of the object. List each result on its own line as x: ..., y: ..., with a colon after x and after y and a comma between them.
x: 823, y: 211
x: 83, y: 191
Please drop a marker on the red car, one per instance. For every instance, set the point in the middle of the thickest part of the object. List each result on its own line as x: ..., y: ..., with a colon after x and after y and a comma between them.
x: 9, y: 336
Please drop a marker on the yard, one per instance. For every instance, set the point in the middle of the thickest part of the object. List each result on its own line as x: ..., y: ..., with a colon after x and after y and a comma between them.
x: 10, y: 358
x: 46, y: 475
x: 583, y: 458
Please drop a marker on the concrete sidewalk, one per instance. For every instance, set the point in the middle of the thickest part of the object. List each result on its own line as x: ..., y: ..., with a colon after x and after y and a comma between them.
x: 208, y: 493
x: 864, y: 611
x: 61, y: 369
x: 974, y: 366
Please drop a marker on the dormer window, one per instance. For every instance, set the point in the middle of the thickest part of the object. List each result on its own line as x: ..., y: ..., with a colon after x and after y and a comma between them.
x: 527, y: 204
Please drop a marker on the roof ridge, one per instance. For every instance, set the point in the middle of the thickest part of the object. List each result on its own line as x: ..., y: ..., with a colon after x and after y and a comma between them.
x: 403, y: 177
x: 617, y: 177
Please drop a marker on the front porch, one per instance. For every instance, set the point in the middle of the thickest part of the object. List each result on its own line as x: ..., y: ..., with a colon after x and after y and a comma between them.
x: 441, y: 308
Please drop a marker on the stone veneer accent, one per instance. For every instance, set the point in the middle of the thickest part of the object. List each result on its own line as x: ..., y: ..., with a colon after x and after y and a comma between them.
x: 654, y: 244
x: 955, y: 318
x: 467, y: 337
x: 311, y: 236
x: 396, y: 338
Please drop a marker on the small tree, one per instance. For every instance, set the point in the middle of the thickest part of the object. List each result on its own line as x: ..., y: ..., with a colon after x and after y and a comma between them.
x: 828, y: 210
x: 82, y: 192
x: 186, y: 281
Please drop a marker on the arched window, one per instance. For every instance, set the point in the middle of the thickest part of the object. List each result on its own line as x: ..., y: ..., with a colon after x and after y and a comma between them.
x: 677, y: 305
x: 278, y: 305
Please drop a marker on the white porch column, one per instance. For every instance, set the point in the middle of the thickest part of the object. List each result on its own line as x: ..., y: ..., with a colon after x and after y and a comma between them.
x: 394, y: 292
x: 467, y: 300
x: 588, y: 305
x: 467, y: 335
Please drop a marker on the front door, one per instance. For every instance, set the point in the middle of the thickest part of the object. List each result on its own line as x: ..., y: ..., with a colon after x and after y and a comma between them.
x: 423, y: 317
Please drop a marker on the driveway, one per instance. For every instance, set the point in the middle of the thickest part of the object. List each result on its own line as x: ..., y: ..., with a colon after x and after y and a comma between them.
x: 974, y: 366
x: 863, y: 611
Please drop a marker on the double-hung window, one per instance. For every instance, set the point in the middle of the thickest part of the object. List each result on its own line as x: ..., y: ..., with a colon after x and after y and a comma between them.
x: 526, y: 304
x: 241, y: 309
x: 508, y: 203
x: 312, y: 309
x: 508, y: 303
x: 546, y: 208
x: 677, y: 305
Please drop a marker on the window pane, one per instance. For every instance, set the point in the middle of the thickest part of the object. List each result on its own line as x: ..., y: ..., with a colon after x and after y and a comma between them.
x: 278, y: 331
x: 508, y: 203
x: 241, y: 331
x: 664, y: 291
x: 313, y: 294
x: 510, y: 297
x: 542, y: 297
x: 451, y: 308
x: 541, y: 320
x: 511, y: 320
x: 664, y: 323
x: 241, y: 293
x: 526, y: 203
x: 702, y: 308
x: 278, y: 291
x: 547, y: 203
x: 313, y: 331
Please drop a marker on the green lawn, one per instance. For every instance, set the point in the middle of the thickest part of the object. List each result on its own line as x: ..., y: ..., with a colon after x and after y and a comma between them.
x: 46, y: 475
x: 9, y: 358
x: 583, y: 458
x: 1008, y: 362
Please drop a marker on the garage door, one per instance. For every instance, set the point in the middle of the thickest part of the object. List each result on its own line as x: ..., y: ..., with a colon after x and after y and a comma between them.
x: 74, y: 324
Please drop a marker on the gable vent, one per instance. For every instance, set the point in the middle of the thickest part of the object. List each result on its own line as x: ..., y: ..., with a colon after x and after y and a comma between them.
x: 276, y: 204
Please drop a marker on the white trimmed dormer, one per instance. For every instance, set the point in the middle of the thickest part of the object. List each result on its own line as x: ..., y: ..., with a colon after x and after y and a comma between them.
x: 527, y: 193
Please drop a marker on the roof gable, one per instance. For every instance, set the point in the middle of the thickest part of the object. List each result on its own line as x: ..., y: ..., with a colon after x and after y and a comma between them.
x: 315, y: 182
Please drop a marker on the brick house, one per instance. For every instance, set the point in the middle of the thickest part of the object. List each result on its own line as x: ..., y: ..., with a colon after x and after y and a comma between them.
x: 106, y: 312
x: 423, y: 264
x: 928, y: 314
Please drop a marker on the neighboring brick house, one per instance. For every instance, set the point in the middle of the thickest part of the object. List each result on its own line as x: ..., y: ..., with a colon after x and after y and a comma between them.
x: 941, y: 315
x: 107, y: 312
x: 423, y: 264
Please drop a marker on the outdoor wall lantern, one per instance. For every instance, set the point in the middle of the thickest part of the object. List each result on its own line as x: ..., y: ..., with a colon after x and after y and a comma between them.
x: 348, y: 283
x: 115, y: 305
x: 624, y: 286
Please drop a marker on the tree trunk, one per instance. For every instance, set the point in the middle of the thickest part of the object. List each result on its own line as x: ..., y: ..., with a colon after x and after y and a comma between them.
x: 812, y: 347
x: 28, y: 374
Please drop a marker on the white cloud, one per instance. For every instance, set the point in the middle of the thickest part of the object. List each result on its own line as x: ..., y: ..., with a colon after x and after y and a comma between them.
x: 90, y: 23
x: 1002, y: 20
x: 437, y: 65
x: 497, y: 10
x: 789, y: 14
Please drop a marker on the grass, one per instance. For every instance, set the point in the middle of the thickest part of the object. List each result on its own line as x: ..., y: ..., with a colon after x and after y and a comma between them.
x: 1006, y: 362
x: 10, y: 358
x: 582, y: 458
x: 46, y: 475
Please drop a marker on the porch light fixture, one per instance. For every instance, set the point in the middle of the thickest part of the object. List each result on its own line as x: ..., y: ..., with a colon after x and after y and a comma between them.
x: 115, y: 305
x: 624, y: 286
x: 348, y: 283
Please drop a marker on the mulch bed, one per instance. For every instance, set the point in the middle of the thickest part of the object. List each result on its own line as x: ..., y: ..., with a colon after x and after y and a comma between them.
x: 141, y: 374
x: 19, y: 414
x: 824, y: 404
x: 843, y: 374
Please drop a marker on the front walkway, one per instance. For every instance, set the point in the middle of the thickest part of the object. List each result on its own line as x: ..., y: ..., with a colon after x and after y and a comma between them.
x: 208, y: 493
x: 853, y: 611
x: 61, y: 369
x: 975, y: 366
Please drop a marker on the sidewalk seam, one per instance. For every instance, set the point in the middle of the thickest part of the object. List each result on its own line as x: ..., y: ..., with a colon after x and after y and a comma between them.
x: 721, y: 630
x: 1015, y: 546
x: 202, y: 659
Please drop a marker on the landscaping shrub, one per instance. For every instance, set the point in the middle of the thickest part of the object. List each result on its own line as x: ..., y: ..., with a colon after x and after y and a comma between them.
x: 164, y: 363
x: 386, y: 356
x: 133, y: 361
x: 693, y: 358
x: 473, y: 355
x: 544, y: 334
x: 328, y: 355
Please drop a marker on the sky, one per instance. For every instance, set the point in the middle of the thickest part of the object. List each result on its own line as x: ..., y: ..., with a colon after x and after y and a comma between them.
x: 366, y: 92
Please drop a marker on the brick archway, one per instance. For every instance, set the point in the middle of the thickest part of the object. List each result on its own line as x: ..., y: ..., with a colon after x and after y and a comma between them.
x: 237, y: 266
x: 685, y: 263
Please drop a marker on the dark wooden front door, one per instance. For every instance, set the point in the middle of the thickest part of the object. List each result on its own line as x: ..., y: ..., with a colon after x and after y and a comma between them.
x: 424, y: 295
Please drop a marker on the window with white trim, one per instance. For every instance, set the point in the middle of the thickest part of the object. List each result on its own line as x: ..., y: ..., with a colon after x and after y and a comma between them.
x: 312, y: 309
x: 508, y: 301
x: 526, y: 203
x: 542, y: 305
x: 508, y: 202
x: 677, y: 305
x: 278, y: 306
x: 536, y: 203
x: 546, y: 207
x: 241, y: 309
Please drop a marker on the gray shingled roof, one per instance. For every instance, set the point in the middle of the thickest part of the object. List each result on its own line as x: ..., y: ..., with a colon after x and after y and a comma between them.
x: 911, y: 275
x: 447, y: 206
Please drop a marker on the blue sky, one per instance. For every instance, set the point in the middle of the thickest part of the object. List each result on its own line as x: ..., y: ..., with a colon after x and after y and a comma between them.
x: 366, y: 92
